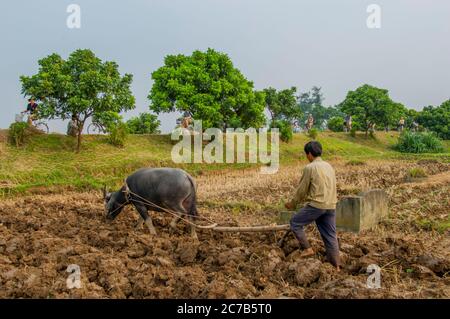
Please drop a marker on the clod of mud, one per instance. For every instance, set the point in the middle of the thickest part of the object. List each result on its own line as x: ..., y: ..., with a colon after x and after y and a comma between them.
x: 235, y: 255
x: 306, y: 271
x: 187, y: 252
x: 438, y: 265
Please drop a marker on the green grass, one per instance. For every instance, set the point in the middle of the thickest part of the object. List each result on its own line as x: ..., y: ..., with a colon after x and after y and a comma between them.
x: 439, y: 226
x: 48, y: 161
x: 417, y: 172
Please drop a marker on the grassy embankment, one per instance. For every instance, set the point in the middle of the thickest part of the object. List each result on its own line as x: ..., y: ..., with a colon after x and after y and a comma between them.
x: 49, y: 162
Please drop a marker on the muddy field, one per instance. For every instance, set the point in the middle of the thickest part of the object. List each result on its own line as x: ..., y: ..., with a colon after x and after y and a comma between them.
x: 40, y: 235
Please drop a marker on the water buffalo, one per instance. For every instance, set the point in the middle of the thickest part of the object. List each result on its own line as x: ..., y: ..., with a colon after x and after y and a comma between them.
x: 170, y: 188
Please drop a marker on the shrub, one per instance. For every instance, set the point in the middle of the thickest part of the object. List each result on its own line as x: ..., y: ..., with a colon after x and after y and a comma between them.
x: 353, y: 132
x: 117, y: 134
x: 411, y: 142
x: 432, y: 142
x: 356, y: 125
x: 145, y: 123
x: 336, y: 124
x: 313, y: 133
x: 17, y: 133
x: 417, y: 172
x: 285, y: 130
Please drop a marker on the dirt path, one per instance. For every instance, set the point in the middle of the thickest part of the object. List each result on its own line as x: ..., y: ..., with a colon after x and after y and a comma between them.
x: 41, y: 235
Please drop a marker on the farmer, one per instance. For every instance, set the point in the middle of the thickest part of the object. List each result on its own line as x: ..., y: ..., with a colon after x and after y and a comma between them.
x: 295, y: 127
x: 318, y: 187
x: 187, y: 120
x: 32, y: 110
x: 348, y: 123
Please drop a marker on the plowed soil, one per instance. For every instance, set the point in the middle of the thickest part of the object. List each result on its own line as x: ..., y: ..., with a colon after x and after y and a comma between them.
x: 42, y: 234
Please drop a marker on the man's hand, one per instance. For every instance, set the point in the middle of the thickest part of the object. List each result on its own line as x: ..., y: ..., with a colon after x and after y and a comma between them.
x: 289, y: 205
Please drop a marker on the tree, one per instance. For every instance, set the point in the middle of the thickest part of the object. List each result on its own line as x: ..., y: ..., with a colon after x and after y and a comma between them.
x: 82, y: 85
x: 145, y: 123
x: 369, y: 104
x: 207, y: 85
x: 436, y: 119
x: 312, y: 103
x: 308, y: 100
x: 282, y: 105
x: 336, y: 124
x: 107, y: 119
x: 411, y: 116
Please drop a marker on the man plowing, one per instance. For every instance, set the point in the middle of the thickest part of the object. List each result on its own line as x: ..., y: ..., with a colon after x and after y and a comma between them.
x: 318, y: 188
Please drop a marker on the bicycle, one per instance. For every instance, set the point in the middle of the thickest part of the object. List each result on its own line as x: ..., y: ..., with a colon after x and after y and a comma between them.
x: 39, y: 125
x: 95, y: 128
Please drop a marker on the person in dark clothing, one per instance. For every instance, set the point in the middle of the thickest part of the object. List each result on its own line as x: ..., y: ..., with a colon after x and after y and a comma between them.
x: 32, y: 110
x: 318, y: 188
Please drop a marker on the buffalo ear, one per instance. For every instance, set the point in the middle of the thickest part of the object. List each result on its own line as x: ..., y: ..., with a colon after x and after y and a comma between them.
x: 108, y: 197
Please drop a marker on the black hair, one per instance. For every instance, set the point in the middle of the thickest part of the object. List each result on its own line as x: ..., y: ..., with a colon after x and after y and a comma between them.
x: 313, y: 147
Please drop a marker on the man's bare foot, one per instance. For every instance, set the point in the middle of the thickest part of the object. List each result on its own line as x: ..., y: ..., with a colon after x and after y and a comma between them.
x: 307, y: 253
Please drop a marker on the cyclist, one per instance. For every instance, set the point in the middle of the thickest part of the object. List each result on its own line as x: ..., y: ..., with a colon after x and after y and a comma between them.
x: 32, y: 109
x: 72, y: 127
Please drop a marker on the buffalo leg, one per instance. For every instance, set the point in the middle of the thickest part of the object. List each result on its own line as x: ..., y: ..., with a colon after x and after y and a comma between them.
x: 143, y: 211
x: 193, y: 230
x: 183, y: 211
x: 150, y: 226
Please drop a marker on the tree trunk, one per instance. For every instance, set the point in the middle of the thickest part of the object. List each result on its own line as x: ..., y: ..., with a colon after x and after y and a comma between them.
x: 270, y: 112
x: 80, y: 131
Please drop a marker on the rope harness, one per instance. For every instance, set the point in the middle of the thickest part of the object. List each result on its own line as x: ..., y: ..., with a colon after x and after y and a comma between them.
x: 213, y: 225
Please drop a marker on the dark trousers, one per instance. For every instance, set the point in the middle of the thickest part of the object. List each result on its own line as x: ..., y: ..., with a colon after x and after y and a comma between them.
x: 326, y: 223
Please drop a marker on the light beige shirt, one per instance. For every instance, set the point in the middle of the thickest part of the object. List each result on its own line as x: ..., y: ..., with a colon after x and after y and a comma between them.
x: 317, y: 186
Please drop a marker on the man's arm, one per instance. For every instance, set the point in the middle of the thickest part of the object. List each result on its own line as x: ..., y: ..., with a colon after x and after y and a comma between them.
x: 302, y: 189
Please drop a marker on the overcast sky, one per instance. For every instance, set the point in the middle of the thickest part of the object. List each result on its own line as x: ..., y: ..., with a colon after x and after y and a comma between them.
x: 277, y: 43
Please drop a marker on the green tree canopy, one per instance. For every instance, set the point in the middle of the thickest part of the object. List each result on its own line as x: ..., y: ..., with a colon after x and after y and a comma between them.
x: 208, y: 86
x: 311, y: 102
x: 145, y: 123
x: 282, y: 105
x: 369, y: 104
x: 436, y: 119
x: 336, y: 124
x: 82, y: 85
